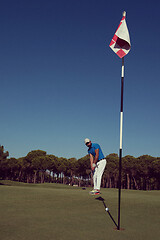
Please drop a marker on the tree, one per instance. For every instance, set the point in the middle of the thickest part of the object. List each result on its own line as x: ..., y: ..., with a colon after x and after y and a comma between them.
x: 130, y: 172
x: 40, y: 164
x: 137, y: 173
x: 72, y: 167
x: 62, y: 168
x: 111, y: 170
x: 155, y: 169
x: 13, y: 168
x: 144, y: 169
x: 53, y: 167
x: 83, y: 169
x: 30, y: 166
x: 3, y: 162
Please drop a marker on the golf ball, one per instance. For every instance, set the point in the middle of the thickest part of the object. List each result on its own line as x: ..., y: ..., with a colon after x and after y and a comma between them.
x: 107, y: 209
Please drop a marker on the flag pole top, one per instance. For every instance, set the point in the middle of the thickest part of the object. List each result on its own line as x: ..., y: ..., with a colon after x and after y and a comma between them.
x: 124, y: 13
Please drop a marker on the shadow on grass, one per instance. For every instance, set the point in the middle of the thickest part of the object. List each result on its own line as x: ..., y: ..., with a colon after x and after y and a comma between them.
x: 106, y: 209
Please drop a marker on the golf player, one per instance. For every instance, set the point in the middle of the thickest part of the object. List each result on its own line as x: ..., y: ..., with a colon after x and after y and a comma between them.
x: 98, y: 163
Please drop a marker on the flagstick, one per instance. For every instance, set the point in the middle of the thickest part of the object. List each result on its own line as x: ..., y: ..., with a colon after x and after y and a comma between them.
x: 121, y: 50
x: 120, y: 150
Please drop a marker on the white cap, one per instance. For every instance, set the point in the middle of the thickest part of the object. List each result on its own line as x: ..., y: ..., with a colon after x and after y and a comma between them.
x: 86, y: 140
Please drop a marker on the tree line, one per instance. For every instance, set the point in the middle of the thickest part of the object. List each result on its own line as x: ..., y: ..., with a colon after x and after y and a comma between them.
x: 142, y: 173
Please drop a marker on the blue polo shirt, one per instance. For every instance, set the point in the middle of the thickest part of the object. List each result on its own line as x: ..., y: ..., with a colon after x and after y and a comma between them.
x: 92, y: 149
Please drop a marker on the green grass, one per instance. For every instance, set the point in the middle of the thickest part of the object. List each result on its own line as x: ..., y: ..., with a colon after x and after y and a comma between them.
x: 59, y: 212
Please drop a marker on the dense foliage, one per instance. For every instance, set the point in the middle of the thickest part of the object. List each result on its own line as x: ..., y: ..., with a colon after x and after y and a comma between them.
x: 141, y: 173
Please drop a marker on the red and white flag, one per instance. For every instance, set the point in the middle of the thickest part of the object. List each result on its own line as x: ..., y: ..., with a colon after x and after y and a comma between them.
x: 120, y: 43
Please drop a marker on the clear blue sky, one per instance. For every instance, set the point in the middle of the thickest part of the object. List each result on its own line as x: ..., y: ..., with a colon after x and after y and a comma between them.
x: 60, y: 81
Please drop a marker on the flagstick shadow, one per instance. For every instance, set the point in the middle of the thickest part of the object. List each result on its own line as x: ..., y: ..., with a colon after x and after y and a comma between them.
x: 103, y: 201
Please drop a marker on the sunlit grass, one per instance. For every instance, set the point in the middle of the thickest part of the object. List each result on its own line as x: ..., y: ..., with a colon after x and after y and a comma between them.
x: 60, y: 212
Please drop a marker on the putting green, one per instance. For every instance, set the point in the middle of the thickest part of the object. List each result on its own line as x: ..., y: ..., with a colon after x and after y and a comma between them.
x: 59, y: 212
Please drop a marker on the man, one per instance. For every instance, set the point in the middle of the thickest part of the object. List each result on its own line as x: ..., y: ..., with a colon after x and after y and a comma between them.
x: 98, y: 163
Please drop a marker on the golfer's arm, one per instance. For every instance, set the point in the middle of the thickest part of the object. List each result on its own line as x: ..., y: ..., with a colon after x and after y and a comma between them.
x: 96, y: 156
x: 91, y: 159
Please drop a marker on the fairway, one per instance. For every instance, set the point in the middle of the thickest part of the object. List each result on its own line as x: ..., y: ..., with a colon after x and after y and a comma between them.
x: 59, y: 212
